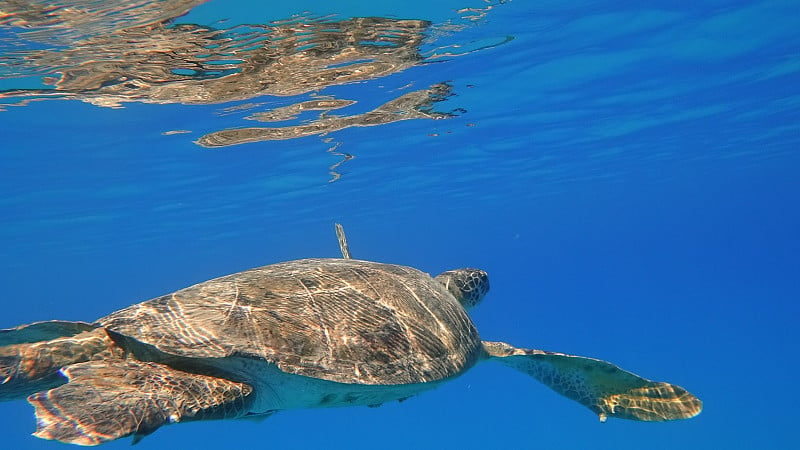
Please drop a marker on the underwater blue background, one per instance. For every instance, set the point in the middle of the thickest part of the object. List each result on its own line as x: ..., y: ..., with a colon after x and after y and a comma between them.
x: 628, y: 175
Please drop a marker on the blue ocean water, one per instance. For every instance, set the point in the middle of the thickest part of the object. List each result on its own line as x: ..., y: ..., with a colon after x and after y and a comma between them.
x: 626, y: 174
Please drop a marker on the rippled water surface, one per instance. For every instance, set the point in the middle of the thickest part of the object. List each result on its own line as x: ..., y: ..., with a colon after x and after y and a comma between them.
x: 626, y: 173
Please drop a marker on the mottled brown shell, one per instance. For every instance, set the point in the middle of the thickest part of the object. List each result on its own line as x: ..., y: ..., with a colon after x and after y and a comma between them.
x: 342, y: 320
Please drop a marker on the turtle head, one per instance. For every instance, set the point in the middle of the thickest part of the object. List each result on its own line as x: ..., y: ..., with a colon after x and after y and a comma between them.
x: 468, y: 286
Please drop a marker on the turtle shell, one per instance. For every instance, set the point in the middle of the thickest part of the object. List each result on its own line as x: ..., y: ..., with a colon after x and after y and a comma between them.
x: 341, y: 320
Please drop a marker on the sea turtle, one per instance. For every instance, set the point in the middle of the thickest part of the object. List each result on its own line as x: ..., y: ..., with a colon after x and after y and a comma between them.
x: 299, y: 334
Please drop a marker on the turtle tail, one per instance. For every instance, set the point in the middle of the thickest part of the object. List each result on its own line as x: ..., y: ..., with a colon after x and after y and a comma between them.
x: 32, y: 355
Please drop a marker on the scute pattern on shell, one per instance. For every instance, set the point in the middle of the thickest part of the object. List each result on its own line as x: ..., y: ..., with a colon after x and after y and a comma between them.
x: 341, y: 320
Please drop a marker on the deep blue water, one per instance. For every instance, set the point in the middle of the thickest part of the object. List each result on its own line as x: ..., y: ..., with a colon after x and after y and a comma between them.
x: 627, y: 174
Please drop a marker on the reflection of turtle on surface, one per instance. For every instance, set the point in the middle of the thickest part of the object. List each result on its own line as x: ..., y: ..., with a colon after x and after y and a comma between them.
x: 299, y: 334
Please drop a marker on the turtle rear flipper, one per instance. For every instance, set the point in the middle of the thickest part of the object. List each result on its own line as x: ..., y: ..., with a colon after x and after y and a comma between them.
x: 42, y: 331
x: 110, y: 399
x: 32, y: 355
x: 599, y: 385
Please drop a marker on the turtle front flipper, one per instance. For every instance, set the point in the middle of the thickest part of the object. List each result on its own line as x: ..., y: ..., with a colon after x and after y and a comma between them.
x: 599, y: 385
x: 110, y: 399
